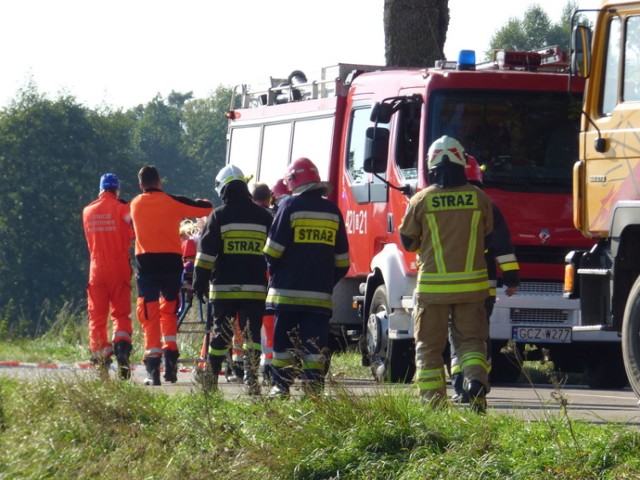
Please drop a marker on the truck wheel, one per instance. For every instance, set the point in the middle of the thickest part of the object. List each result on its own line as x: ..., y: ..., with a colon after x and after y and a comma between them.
x: 504, y: 366
x: 631, y: 337
x: 605, y: 370
x: 390, y: 360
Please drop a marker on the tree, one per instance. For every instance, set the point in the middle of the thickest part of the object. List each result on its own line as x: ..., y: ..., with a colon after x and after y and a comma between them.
x: 204, y: 138
x: 535, y: 31
x: 52, y: 153
x: 156, y: 136
x: 415, y: 31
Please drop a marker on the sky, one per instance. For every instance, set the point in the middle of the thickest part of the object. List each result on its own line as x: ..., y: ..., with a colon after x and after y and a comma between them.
x: 122, y: 53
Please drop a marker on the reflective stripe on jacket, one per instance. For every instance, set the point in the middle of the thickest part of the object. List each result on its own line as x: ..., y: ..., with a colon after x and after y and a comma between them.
x: 501, y: 251
x: 448, y: 227
x: 230, y: 250
x: 307, y: 252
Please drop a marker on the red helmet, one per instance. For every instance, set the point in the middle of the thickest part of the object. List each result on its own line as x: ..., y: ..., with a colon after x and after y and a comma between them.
x: 280, y: 189
x: 473, y: 170
x: 300, y: 173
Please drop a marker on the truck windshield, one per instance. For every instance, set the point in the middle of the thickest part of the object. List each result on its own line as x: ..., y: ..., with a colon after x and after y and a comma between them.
x: 527, y: 141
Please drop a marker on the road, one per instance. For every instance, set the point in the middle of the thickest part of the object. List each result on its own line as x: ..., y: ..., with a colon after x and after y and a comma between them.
x: 529, y: 402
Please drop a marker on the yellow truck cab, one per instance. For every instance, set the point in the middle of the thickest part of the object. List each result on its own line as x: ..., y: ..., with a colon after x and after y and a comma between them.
x: 606, y: 180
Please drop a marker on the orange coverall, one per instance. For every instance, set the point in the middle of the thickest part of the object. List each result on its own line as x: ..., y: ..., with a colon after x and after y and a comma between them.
x: 108, y: 233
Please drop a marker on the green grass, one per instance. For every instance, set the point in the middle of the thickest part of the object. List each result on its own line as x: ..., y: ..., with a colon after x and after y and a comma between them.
x: 85, y: 429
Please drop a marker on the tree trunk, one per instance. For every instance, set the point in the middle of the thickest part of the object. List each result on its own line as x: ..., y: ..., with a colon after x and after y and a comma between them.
x: 415, y: 31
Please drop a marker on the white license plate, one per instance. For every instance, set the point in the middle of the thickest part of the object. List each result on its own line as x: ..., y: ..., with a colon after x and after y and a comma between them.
x: 541, y: 334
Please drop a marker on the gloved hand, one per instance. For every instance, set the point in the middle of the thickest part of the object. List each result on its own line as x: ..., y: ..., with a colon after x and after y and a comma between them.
x: 201, y: 288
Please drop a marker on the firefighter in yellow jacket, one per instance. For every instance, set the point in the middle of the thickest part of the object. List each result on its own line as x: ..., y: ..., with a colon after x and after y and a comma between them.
x: 448, y: 224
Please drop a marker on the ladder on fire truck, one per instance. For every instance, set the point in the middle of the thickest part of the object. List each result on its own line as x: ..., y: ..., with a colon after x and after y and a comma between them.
x: 334, y: 81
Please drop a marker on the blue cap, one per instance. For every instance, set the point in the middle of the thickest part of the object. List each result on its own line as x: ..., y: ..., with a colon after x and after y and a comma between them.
x: 109, y: 181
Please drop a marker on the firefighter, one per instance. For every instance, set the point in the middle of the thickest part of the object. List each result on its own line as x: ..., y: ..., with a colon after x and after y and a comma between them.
x: 279, y: 193
x: 499, y: 251
x: 307, y: 253
x: 231, y: 270
x: 261, y: 194
x: 156, y: 219
x: 107, y: 229
x: 448, y: 224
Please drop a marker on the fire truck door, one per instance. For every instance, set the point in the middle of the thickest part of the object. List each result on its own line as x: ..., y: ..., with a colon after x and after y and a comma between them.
x: 361, y: 194
x: 365, y: 187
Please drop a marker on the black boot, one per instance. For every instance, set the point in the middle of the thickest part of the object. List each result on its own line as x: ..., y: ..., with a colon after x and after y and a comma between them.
x: 152, y: 365
x: 102, y: 365
x: 171, y: 365
x: 211, y: 373
x: 476, y: 392
x: 460, y: 394
x: 251, y: 370
x: 122, y: 351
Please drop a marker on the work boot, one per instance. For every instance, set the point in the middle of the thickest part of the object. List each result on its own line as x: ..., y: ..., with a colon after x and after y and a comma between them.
x: 281, y: 379
x: 279, y: 391
x: 171, y: 365
x: 435, y: 399
x: 459, y: 395
x: 102, y: 365
x: 250, y: 374
x: 313, y: 382
x: 234, y: 373
x: 477, y: 396
x: 211, y: 373
x: 122, y: 350
x: 152, y: 364
x: 266, y: 375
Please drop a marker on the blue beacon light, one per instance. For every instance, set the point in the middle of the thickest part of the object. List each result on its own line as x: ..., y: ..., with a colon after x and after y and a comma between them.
x: 467, y: 60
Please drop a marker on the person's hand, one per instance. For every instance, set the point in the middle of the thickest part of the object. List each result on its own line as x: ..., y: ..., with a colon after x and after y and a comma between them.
x: 201, y: 289
x: 509, y: 291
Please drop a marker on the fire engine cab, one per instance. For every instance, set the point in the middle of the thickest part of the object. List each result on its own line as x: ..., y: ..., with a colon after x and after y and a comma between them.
x: 368, y: 129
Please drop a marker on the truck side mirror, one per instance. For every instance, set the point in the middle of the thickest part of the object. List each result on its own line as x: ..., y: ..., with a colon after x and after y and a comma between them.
x: 376, y: 150
x: 581, y: 51
x: 381, y: 113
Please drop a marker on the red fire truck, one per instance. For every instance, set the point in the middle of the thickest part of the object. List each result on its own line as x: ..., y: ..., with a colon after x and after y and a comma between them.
x: 368, y: 129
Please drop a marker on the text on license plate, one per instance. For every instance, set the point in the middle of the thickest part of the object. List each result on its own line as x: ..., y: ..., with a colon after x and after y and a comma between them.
x: 541, y: 334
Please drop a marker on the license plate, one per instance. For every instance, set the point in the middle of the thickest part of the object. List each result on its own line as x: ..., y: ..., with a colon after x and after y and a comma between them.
x: 541, y: 334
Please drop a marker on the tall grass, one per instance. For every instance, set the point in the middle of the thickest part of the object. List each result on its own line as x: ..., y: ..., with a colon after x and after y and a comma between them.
x: 86, y: 428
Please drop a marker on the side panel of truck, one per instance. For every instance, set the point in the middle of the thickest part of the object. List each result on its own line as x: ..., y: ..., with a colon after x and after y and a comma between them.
x: 607, y: 185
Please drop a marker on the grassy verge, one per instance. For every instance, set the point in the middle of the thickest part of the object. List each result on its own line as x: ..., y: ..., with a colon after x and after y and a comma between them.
x: 83, y: 428
x: 92, y: 429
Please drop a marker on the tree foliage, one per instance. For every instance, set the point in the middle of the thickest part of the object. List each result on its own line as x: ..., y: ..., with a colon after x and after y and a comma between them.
x: 535, y: 30
x: 52, y: 154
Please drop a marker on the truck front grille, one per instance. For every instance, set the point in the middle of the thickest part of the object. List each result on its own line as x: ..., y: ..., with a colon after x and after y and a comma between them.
x: 553, y: 288
x: 538, y: 315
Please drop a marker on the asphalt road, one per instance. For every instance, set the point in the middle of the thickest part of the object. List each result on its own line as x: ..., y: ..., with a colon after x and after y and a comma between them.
x: 529, y: 402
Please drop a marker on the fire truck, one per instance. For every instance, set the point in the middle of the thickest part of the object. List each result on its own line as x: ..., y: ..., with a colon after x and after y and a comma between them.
x: 606, y: 278
x: 368, y: 128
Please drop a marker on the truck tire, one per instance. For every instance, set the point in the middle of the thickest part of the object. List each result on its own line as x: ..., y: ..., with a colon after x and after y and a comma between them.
x: 631, y: 337
x: 390, y: 360
x: 605, y: 370
x: 504, y: 366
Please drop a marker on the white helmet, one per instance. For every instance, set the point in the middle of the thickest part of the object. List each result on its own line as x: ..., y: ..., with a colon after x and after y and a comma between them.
x: 228, y: 174
x: 445, y: 147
